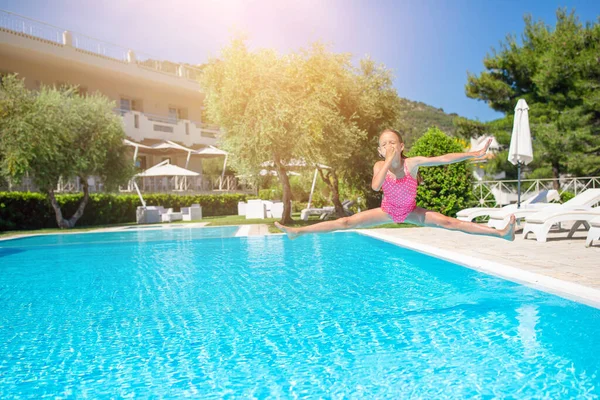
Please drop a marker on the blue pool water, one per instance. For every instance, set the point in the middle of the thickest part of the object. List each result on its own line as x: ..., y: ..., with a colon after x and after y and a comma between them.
x: 195, y: 312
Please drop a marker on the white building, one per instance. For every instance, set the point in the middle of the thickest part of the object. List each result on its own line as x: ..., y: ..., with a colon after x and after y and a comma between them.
x: 158, y: 100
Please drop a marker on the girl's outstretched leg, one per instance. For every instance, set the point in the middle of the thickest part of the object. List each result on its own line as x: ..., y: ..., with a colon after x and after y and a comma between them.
x: 423, y: 217
x: 362, y: 219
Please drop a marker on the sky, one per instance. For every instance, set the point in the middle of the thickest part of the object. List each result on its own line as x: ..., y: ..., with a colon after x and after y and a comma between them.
x: 429, y: 45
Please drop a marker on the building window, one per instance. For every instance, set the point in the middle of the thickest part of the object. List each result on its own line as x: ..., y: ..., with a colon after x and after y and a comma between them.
x: 187, y: 128
x: 163, y: 128
x: 177, y: 113
x: 125, y: 104
x: 136, y: 121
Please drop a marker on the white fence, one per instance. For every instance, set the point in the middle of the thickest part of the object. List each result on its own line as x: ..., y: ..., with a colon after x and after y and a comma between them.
x: 499, y: 193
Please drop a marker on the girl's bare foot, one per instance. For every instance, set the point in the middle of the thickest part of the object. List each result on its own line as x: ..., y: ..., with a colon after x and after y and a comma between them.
x: 508, y: 232
x: 290, y: 232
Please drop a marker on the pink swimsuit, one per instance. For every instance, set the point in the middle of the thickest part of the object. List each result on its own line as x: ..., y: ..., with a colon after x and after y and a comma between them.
x: 399, y: 196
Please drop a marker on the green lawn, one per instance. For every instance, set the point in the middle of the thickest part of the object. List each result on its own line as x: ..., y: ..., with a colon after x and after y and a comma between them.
x: 212, y: 221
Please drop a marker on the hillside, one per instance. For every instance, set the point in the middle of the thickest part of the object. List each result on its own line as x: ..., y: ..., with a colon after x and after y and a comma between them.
x: 416, y: 117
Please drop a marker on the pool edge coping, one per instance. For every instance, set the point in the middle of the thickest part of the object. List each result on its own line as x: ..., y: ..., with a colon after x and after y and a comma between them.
x: 123, y: 228
x: 569, y: 290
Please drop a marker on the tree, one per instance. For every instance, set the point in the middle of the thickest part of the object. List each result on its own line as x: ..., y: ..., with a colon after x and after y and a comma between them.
x: 259, y: 100
x: 379, y: 108
x: 467, y: 129
x: 56, y: 134
x: 558, y: 73
x: 306, y: 105
x: 363, y: 103
x: 445, y: 188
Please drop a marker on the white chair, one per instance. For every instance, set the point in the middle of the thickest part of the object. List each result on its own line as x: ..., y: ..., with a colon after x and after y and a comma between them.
x: 241, y: 208
x: 255, y: 209
x: 148, y: 215
x: 583, y: 200
x: 171, y: 216
x: 594, y: 232
x: 544, y: 197
x: 193, y: 213
x: 268, y: 204
x: 277, y: 209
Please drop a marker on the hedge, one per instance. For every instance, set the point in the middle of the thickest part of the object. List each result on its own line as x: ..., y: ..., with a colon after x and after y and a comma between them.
x: 28, y: 211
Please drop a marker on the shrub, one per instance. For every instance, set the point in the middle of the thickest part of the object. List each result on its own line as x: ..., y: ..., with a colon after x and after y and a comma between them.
x: 445, y: 188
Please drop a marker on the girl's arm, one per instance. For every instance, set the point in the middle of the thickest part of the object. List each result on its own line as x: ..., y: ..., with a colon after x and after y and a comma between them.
x: 381, y: 168
x: 448, y: 158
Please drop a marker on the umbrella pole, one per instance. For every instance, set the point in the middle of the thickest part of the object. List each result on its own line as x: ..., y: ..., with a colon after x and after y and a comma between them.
x: 223, y: 173
x: 312, y: 188
x: 519, y: 184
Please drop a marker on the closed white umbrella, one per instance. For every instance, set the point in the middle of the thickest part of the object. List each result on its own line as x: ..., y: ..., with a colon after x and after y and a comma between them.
x: 521, y: 151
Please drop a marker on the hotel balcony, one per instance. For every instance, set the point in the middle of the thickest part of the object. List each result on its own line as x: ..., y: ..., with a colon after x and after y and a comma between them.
x: 143, y: 126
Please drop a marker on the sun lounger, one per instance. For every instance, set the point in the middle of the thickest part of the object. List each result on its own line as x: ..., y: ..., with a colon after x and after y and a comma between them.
x: 594, y: 232
x: 540, y: 223
x: 305, y: 213
x: 544, y: 197
x: 587, y: 199
x: 326, y: 212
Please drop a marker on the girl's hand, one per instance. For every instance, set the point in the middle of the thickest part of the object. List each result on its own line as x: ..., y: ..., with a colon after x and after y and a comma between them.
x: 390, y: 153
x: 482, y: 152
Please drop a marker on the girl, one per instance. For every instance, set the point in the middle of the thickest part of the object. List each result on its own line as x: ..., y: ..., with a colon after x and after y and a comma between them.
x: 397, y: 177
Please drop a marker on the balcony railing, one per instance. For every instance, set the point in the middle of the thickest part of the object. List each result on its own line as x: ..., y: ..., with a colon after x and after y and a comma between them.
x: 139, y: 125
x: 37, y: 30
x: 29, y: 27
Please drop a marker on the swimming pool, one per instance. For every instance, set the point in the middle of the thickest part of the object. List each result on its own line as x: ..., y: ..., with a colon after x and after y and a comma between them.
x: 176, y: 312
